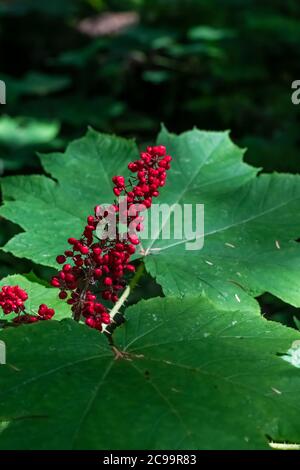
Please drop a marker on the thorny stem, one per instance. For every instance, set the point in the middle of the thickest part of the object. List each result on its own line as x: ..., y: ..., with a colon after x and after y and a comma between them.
x: 138, y: 274
x: 117, y: 317
x: 115, y: 311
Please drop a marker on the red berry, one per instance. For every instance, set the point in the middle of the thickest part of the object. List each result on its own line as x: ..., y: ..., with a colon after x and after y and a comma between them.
x: 117, y: 191
x: 134, y: 239
x: 107, y: 281
x: 45, y: 312
x: 69, y: 277
x: 147, y: 203
x: 67, y: 267
x: 105, y: 259
x: 133, y: 167
x: 119, y: 181
x: 84, y: 250
x: 106, y: 295
x: 159, y: 150
x: 91, y: 322
x: 55, y: 282
x: 131, y: 249
x: 129, y: 267
x: 119, y: 247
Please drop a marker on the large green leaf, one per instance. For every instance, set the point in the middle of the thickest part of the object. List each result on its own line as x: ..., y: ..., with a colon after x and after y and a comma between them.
x: 37, y: 294
x: 52, y: 210
x: 250, y: 221
x: 200, y: 379
x: 250, y: 224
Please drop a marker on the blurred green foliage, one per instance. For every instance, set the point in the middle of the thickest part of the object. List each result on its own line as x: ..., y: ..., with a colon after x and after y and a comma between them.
x: 214, y: 64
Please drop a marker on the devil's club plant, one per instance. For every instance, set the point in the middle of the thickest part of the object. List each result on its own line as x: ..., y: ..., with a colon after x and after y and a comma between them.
x: 206, y: 368
x: 100, y: 265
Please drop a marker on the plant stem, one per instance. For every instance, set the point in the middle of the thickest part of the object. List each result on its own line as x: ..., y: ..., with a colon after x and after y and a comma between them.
x: 284, y: 446
x: 108, y: 329
x: 138, y: 274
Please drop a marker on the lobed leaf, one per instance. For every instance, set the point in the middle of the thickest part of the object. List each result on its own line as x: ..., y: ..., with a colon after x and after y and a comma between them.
x: 201, y: 378
x: 251, y: 221
x: 251, y: 224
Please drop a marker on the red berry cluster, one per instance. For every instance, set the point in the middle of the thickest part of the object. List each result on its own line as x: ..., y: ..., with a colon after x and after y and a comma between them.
x: 12, y: 300
x: 104, y: 263
x: 45, y: 313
